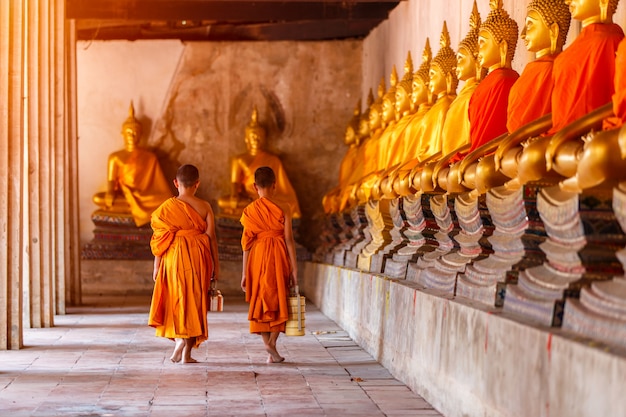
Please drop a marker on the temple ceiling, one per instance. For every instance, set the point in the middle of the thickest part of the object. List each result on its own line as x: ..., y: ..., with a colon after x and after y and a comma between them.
x: 229, y: 20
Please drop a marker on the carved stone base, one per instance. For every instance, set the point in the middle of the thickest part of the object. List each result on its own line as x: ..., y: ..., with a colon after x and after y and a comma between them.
x: 117, y: 237
x: 600, y: 313
x: 351, y: 260
x: 541, y: 310
x: 364, y: 263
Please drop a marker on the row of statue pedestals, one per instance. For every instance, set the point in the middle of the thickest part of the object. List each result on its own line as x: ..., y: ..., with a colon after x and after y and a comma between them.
x: 550, y: 263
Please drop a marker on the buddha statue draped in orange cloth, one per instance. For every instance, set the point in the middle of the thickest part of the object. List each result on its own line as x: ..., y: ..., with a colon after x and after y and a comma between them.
x: 488, y: 105
x: 603, y: 160
x: 135, y: 182
x: 455, y: 134
x: 544, y: 33
x: 583, y: 81
x: 242, y: 174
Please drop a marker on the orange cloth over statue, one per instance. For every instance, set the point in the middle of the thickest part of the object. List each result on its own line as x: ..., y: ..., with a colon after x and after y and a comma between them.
x: 584, y: 74
x: 531, y: 95
x: 268, y: 267
x: 619, y: 98
x: 143, y: 184
x: 488, y: 106
x: 179, y: 299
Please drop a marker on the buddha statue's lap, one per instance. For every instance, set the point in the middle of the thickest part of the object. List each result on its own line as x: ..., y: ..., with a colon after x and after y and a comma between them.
x: 136, y: 185
x: 243, y: 167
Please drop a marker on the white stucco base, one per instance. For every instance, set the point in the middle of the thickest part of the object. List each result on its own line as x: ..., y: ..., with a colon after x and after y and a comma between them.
x: 465, y: 359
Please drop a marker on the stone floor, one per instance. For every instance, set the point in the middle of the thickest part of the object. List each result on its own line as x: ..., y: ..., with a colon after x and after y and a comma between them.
x: 101, y: 359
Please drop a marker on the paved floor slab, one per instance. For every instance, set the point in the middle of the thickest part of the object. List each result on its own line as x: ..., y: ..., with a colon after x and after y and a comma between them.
x: 101, y: 359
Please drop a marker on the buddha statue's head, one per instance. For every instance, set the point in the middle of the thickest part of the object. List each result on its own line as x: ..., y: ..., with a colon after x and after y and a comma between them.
x: 255, y: 134
x: 592, y: 11
x: 404, y: 89
x: 421, y: 79
x: 442, y: 73
x: 497, y: 38
x: 546, y: 26
x: 389, y: 98
x: 131, y: 129
x: 352, y: 129
x: 364, y: 123
x: 467, y: 65
x: 376, y: 109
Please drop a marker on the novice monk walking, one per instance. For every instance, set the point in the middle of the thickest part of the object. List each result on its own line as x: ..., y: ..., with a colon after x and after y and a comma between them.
x: 269, y: 262
x: 184, y: 245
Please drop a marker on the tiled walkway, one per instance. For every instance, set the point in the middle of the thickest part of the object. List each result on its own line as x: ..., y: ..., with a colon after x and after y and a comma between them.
x: 102, y: 360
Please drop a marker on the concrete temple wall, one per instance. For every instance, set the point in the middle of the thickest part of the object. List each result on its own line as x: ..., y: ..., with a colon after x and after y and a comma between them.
x: 196, y: 98
x: 468, y: 360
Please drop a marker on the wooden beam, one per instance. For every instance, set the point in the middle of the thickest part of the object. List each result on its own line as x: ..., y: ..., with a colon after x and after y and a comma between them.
x: 232, y: 11
x: 301, y: 30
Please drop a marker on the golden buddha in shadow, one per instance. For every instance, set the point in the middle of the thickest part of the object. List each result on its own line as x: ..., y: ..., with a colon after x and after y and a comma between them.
x: 242, y: 174
x: 135, y: 182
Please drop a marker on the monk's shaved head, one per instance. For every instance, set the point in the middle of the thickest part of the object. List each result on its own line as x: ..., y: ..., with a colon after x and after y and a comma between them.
x: 264, y: 177
x: 187, y: 175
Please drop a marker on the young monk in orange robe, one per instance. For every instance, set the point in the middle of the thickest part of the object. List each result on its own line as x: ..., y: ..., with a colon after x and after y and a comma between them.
x: 184, y: 245
x: 269, y: 262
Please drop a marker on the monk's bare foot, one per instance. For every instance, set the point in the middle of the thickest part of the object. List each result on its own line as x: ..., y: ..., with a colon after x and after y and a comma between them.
x: 189, y: 360
x: 274, y: 355
x: 270, y: 359
x: 177, y: 355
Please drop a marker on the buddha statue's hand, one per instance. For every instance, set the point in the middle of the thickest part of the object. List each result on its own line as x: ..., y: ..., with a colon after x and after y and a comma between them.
x: 109, y: 199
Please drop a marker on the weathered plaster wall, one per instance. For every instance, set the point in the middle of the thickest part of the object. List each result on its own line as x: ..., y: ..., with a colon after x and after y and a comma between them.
x: 199, y: 103
x: 467, y: 360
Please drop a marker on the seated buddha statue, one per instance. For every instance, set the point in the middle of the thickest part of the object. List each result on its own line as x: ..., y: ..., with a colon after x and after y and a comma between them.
x: 544, y: 33
x: 442, y: 86
x: 487, y: 112
x: 455, y: 133
x: 603, y: 160
x: 242, y: 174
x: 331, y: 200
x: 135, y: 182
x: 583, y: 81
x: 419, y: 103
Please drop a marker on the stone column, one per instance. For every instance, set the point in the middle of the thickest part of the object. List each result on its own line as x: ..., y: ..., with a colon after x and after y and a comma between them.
x: 12, y: 15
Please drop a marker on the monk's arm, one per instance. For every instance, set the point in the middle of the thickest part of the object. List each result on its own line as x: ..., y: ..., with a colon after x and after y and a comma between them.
x: 157, y: 263
x: 210, y: 231
x: 244, y: 270
x: 291, y: 250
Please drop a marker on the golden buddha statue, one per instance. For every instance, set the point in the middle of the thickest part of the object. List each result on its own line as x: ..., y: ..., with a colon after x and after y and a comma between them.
x: 545, y: 32
x: 582, y: 75
x: 135, y: 181
x: 242, y: 174
x: 455, y: 134
x: 497, y: 40
x: 331, y: 201
x: 399, y: 182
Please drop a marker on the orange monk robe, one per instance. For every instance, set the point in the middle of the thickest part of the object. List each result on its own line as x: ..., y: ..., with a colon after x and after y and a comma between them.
x: 143, y: 184
x: 433, y: 121
x: 456, y: 128
x: 391, y: 152
x: 284, y: 190
x: 268, y: 267
x: 619, y: 98
x: 531, y: 95
x: 179, y: 298
x: 488, y: 106
x: 410, y: 139
x: 584, y: 74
